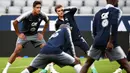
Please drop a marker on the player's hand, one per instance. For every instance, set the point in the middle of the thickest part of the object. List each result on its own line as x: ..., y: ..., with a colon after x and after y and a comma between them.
x: 77, y: 60
x: 39, y: 36
x: 22, y: 36
x: 109, y: 45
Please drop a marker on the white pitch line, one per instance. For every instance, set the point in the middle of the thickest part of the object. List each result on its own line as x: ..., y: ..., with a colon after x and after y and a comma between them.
x: 16, y: 67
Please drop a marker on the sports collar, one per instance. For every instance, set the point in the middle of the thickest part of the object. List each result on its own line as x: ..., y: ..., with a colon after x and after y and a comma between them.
x: 108, y: 6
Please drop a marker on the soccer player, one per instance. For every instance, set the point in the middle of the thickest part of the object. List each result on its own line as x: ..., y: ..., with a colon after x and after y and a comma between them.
x: 66, y: 16
x: 119, y: 70
x: 105, y: 26
x: 53, y: 52
x: 31, y: 21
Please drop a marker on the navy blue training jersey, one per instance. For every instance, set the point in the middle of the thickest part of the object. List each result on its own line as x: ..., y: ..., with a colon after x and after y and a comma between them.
x: 106, y: 23
x: 58, y: 41
x: 30, y: 22
x: 69, y: 19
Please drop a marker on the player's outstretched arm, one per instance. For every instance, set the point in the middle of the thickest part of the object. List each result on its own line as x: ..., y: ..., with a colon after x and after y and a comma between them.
x: 70, y: 43
x: 46, y: 19
x: 113, y: 28
x: 72, y: 10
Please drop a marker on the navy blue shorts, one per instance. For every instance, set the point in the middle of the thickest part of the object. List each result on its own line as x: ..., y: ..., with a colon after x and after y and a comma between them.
x: 81, y: 43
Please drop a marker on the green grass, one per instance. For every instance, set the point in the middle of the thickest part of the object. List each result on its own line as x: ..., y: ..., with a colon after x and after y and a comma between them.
x: 102, y: 66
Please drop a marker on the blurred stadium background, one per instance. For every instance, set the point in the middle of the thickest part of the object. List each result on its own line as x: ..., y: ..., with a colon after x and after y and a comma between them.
x: 10, y: 9
x: 84, y: 6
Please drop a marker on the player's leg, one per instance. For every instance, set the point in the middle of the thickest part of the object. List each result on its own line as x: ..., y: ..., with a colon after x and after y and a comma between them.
x: 40, y: 61
x: 18, y: 48
x: 124, y: 63
x: 64, y: 59
x: 15, y: 53
x: 118, y: 54
x: 49, y: 67
x: 84, y: 46
x: 87, y: 64
x: 13, y: 57
x: 93, y: 54
x: 41, y: 44
x: 119, y: 70
x: 29, y: 69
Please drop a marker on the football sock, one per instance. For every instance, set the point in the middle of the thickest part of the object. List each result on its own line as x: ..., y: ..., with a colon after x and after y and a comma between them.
x: 93, y: 68
x: 7, y: 66
x: 25, y: 71
x: 51, y: 67
x: 47, y: 67
x: 77, y: 68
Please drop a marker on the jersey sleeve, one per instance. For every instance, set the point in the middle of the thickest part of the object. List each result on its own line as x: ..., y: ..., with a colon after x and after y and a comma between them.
x: 114, y: 23
x: 69, y: 41
x: 24, y: 15
x: 71, y: 10
x: 94, y: 27
x: 45, y: 17
x: 57, y: 24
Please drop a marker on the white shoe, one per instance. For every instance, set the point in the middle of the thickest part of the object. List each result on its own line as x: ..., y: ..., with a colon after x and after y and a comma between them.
x: 118, y: 70
x: 4, y: 71
x: 54, y: 71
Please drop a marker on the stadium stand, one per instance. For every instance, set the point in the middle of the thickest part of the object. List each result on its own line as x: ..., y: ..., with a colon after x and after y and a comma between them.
x: 101, y: 2
x: 126, y: 10
x: 91, y: 3
x: 5, y: 3
x: 96, y: 9
x: 77, y: 3
x: 62, y: 2
x: 52, y: 10
x: 46, y: 9
x: 48, y: 3
x: 2, y: 10
x: 20, y: 3
x: 14, y: 10
x: 85, y: 10
x: 85, y: 6
x: 25, y: 9
x: 29, y: 2
x: 121, y: 3
x: 128, y: 3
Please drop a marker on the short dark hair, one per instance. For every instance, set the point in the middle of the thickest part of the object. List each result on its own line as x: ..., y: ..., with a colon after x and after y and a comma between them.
x: 36, y: 3
x: 57, y: 6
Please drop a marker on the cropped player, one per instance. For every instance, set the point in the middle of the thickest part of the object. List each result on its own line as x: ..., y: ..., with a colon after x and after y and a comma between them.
x: 105, y: 26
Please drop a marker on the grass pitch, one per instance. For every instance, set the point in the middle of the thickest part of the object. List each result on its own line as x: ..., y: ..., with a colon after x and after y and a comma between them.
x: 102, y: 66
